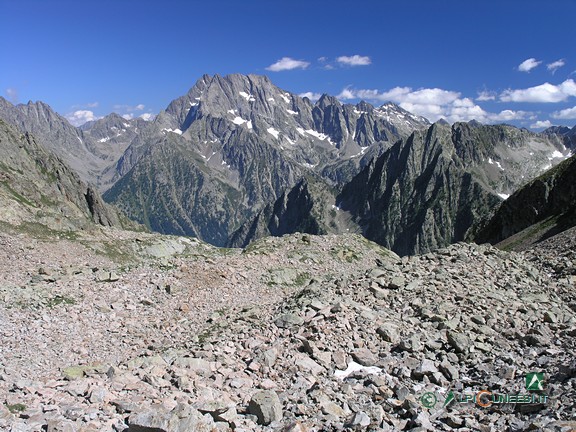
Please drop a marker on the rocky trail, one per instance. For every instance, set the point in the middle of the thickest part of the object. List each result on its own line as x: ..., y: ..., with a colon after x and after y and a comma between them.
x: 120, y: 331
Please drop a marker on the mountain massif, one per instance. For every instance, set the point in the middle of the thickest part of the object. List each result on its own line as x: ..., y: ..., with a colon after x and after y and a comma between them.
x: 237, y: 158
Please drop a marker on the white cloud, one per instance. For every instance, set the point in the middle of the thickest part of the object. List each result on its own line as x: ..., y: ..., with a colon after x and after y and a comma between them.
x: 287, y: 63
x: 424, y: 96
x: 350, y: 94
x: 555, y: 65
x: 508, y: 115
x: 528, y: 65
x: 129, y: 108
x: 85, y: 106
x: 541, y: 124
x: 545, y: 93
x: 12, y: 94
x: 147, y: 116
x: 325, y: 63
x: 311, y: 95
x: 433, y: 96
x: 355, y: 60
x: 429, y: 102
x: 434, y: 104
x: 568, y: 113
x: 78, y: 118
x: 486, y: 96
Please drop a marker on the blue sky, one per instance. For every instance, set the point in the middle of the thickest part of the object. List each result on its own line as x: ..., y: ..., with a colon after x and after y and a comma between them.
x: 494, y: 61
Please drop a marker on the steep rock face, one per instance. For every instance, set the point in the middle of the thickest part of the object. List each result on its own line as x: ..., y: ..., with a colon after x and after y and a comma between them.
x: 546, y: 206
x: 415, y: 198
x: 173, y: 190
x: 436, y: 187
x: 240, y: 132
x: 308, y: 207
x: 107, y: 139
x: 424, y: 192
x: 36, y: 186
x: 319, y: 137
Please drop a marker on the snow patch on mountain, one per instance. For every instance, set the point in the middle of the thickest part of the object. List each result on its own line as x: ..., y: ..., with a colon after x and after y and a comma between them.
x: 247, y: 96
x: 555, y: 154
x: 176, y: 131
x: 273, y: 132
x: 239, y: 120
x: 320, y: 136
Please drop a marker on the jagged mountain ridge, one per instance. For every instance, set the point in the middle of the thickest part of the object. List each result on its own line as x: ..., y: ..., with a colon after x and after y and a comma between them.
x: 89, y: 149
x: 435, y: 188
x: 241, y: 132
x: 504, y: 157
x: 316, y: 136
x: 307, y: 207
x: 244, y: 143
x: 256, y: 141
x: 415, y: 197
x: 37, y: 187
x: 567, y: 135
x: 429, y: 190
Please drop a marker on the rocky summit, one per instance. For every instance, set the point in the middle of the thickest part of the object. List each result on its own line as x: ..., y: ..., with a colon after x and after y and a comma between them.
x: 128, y: 331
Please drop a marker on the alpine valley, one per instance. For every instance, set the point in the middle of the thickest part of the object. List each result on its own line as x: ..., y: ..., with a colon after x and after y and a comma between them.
x: 379, y: 273
x: 237, y: 158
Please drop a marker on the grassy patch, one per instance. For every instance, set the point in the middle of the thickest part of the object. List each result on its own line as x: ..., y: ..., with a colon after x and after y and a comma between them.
x: 39, y: 231
x: 58, y: 300
x: 20, y: 198
x: 227, y: 251
x: 528, y: 235
x: 16, y: 408
x: 113, y: 251
x: 302, y: 279
x: 259, y: 247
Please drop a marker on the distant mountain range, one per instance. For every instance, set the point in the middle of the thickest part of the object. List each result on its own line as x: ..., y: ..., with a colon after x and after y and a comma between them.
x: 237, y: 158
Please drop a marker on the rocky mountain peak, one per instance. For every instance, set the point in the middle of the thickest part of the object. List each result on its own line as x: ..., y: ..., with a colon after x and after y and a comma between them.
x: 364, y: 106
x: 327, y: 100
